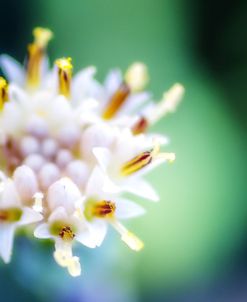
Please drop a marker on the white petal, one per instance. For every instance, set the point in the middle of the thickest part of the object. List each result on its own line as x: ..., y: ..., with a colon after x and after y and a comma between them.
x: 59, y: 214
x: 103, y: 156
x: 99, y: 135
x: 42, y: 231
x: 113, y: 81
x: 10, y: 197
x: 85, y: 237
x: 135, y: 101
x: 127, y: 209
x: 140, y: 188
x: 29, y: 216
x: 96, y: 182
x: 84, y: 85
x: 6, y: 240
x: 98, y: 230
x: 63, y: 193
x: 12, y: 69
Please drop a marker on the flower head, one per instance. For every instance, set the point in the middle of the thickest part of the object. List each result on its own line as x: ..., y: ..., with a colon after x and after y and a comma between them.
x: 71, y: 147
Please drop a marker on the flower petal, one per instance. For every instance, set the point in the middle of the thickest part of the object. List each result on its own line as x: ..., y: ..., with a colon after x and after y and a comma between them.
x: 98, y: 229
x: 6, y: 240
x: 140, y: 188
x: 29, y: 216
x: 42, y: 231
x: 127, y: 209
x: 103, y: 156
x: 10, y: 197
x: 12, y: 69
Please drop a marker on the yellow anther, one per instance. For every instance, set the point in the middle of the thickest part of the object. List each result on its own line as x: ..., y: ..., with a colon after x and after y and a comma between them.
x: 136, y: 76
x: 137, y: 163
x: 36, y: 51
x: 65, y: 69
x: 42, y: 36
x: 3, y: 92
x: 140, y: 126
x: 145, y: 158
x: 135, y: 79
x: 99, y: 209
x: 116, y: 101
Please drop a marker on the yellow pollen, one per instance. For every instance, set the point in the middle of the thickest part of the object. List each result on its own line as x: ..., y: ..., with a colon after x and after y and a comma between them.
x: 65, y: 69
x: 36, y: 51
x: 3, y: 92
x: 116, y: 102
x: 66, y: 233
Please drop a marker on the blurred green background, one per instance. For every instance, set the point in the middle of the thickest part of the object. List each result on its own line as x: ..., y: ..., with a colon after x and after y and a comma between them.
x: 196, y: 237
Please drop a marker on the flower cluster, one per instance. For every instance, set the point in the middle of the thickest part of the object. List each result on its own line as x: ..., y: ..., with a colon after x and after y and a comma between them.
x: 71, y: 147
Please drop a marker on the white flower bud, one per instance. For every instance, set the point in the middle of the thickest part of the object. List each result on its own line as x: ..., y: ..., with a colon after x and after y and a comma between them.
x: 25, y: 182
x: 95, y: 136
x: 49, y: 147
x: 69, y: 135
x: 48, y: 174
x: 37, y: 126
x: 63, y: 193
x: 35, y: 162
x: 63, y: 158
x: 29, y: 145
x: 78, y: 171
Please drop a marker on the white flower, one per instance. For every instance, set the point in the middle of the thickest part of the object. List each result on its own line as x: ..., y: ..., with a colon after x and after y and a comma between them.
x: 63, y: 225
x: 71, y: 146
x: 133, y: 156
x: 12, y: 216
x: 101, y: 208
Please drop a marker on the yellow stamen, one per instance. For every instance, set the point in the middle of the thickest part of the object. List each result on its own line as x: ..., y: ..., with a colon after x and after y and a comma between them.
x: 145, y: 158
x: 136, y: 76
x: 65, y: 68
x: 116, y: 101
x: 129, y: 238
x: 168, y: 104
x: 3, y: 92
x: 36, y: 51
x: 140, y: 126
x: 99, y: 209
x: 137, y: 163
